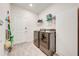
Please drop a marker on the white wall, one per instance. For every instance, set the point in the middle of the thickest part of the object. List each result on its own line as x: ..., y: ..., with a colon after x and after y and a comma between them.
x: 21, y: 18
x: 3, y: 12
x: 66, y: 27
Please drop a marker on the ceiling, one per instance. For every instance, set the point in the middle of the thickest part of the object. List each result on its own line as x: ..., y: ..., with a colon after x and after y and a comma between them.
x: 36, y: 7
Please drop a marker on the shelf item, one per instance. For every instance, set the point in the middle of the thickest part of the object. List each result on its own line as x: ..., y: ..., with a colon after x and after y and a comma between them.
x: 40, y: 21
x: 49, y: 17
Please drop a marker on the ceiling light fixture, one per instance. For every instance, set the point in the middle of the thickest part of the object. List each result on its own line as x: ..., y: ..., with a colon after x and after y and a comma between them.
x: 30, y: 5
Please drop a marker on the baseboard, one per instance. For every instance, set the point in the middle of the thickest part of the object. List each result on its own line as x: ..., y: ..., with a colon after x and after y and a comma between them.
x: 59, y: 54
x: 21, y: 43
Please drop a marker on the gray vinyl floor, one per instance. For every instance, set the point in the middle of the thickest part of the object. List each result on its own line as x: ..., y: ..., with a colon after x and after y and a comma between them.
x: 26, y: 49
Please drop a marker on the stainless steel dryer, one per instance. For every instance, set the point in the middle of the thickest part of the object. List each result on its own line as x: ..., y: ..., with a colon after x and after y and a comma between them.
x: 48, y: 41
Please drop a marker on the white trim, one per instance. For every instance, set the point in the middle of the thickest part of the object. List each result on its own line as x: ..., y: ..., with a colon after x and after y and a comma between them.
x: 59, y: 53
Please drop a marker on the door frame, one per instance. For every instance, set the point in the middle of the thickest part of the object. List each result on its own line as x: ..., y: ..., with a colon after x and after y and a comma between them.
x: 78, y: 31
